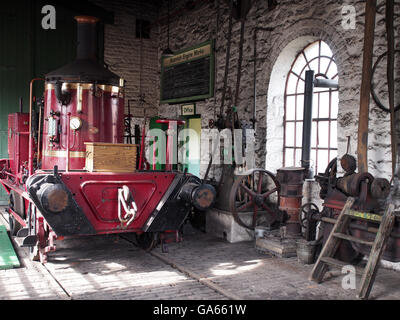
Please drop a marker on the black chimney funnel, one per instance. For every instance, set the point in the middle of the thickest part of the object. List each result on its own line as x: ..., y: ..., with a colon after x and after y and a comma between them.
x: 87, y: 38
x: 85, y: 68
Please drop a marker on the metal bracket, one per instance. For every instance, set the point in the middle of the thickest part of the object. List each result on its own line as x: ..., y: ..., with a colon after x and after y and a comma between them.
x: 126, y: 201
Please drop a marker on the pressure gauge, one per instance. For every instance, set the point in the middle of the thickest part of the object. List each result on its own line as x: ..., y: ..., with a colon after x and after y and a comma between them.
x: 75, y: 123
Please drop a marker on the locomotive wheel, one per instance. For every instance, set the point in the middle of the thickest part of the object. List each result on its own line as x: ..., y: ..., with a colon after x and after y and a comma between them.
x: 13, y: 223
x: 331, y: 169
x: 15, y: 226
x: 147, y: 240
x: 33, y: 251
x: 253, y: 192
x: 307, y: 210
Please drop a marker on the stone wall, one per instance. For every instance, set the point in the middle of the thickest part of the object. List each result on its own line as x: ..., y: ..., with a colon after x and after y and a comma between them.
x: 294, y: 24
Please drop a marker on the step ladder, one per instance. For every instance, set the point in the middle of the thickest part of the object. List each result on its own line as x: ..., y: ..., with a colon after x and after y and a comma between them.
x: 338, y: 234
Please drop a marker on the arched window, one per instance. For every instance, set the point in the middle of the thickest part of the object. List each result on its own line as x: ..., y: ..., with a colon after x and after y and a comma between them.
x: 318, y: 57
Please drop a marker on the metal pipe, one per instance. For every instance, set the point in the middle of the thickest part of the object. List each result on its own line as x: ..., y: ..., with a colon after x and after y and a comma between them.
x: 30, y: 157
x: 87, y: 39
x: 154, y: 153
x: 38, y: 140
x: 17, y: 217
x: 68, y: 137
x: 142, y: 144
x: 239, y: 66
x: 307, y: 121
x: 17, y: 154
x: 326, y: 83
x: 227, y: 59
x: 253, y: 120
x: 10, y: 174
x: 362, y: 147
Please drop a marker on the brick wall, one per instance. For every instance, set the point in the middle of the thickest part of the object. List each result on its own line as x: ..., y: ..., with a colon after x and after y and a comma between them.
x: 132, y: 58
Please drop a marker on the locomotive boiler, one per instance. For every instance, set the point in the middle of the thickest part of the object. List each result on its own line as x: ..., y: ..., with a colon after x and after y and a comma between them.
x: 55, y: 188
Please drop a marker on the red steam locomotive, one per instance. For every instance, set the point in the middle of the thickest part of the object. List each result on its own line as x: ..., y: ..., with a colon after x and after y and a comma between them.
x: 53, y: 194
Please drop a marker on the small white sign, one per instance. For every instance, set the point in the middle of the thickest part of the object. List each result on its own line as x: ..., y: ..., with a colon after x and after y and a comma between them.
x: 188, y: 110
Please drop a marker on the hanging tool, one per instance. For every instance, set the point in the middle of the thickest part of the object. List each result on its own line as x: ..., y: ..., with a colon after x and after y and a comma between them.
x: 227, y: 57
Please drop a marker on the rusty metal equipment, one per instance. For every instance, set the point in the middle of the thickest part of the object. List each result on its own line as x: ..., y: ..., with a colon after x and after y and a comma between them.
x: 256, y: 192
x: 291, y: 182
x: 370, y: 194
x: 339, y: 233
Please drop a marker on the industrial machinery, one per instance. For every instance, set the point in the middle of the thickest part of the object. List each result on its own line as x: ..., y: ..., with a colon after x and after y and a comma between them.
x: 370, y: 195
x: 73, y: 176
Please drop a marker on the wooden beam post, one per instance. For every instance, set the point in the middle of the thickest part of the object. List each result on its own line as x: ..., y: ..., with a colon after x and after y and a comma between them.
x: 362, y: 147
x: 390, y: 79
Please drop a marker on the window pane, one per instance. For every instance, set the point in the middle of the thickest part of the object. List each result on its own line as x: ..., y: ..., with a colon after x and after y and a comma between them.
x: 324, y: 64
x: 303, y: 73
x: 313, y: 159
x: 290, y: 107
x: 334, y: 104
x: 315, y: 106
x: 299, y: 64
x: 300, y: 87
x: 299, y: 134
x: 322, y: 160
x: 332, y: 71
x: 312, y: 51
x: 324, y: 105
x: 314, y: 65
x: 289, y: 157
x: 289, y: 134
x: 325, y: 50
x: 323, y: 134
x: 300, y: 107
x: 297, y: 162
x: 314, y: 134
x: 292, y: 83
x: 334, y: 134
x: 333, y: 154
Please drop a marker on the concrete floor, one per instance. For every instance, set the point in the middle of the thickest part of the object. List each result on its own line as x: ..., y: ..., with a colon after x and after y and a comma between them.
x: 201, y: 267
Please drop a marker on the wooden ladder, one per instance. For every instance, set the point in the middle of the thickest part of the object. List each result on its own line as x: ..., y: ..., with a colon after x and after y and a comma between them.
x: 338, y: 234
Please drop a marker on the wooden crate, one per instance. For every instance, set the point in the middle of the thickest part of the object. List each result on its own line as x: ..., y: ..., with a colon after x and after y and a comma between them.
x: 110, y: 157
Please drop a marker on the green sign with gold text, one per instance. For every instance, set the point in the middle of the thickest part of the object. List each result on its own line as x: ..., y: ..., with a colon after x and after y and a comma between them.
x: 188, y: 75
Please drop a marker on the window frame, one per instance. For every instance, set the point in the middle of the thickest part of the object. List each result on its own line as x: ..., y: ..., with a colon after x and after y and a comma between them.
x: 315, y: 147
